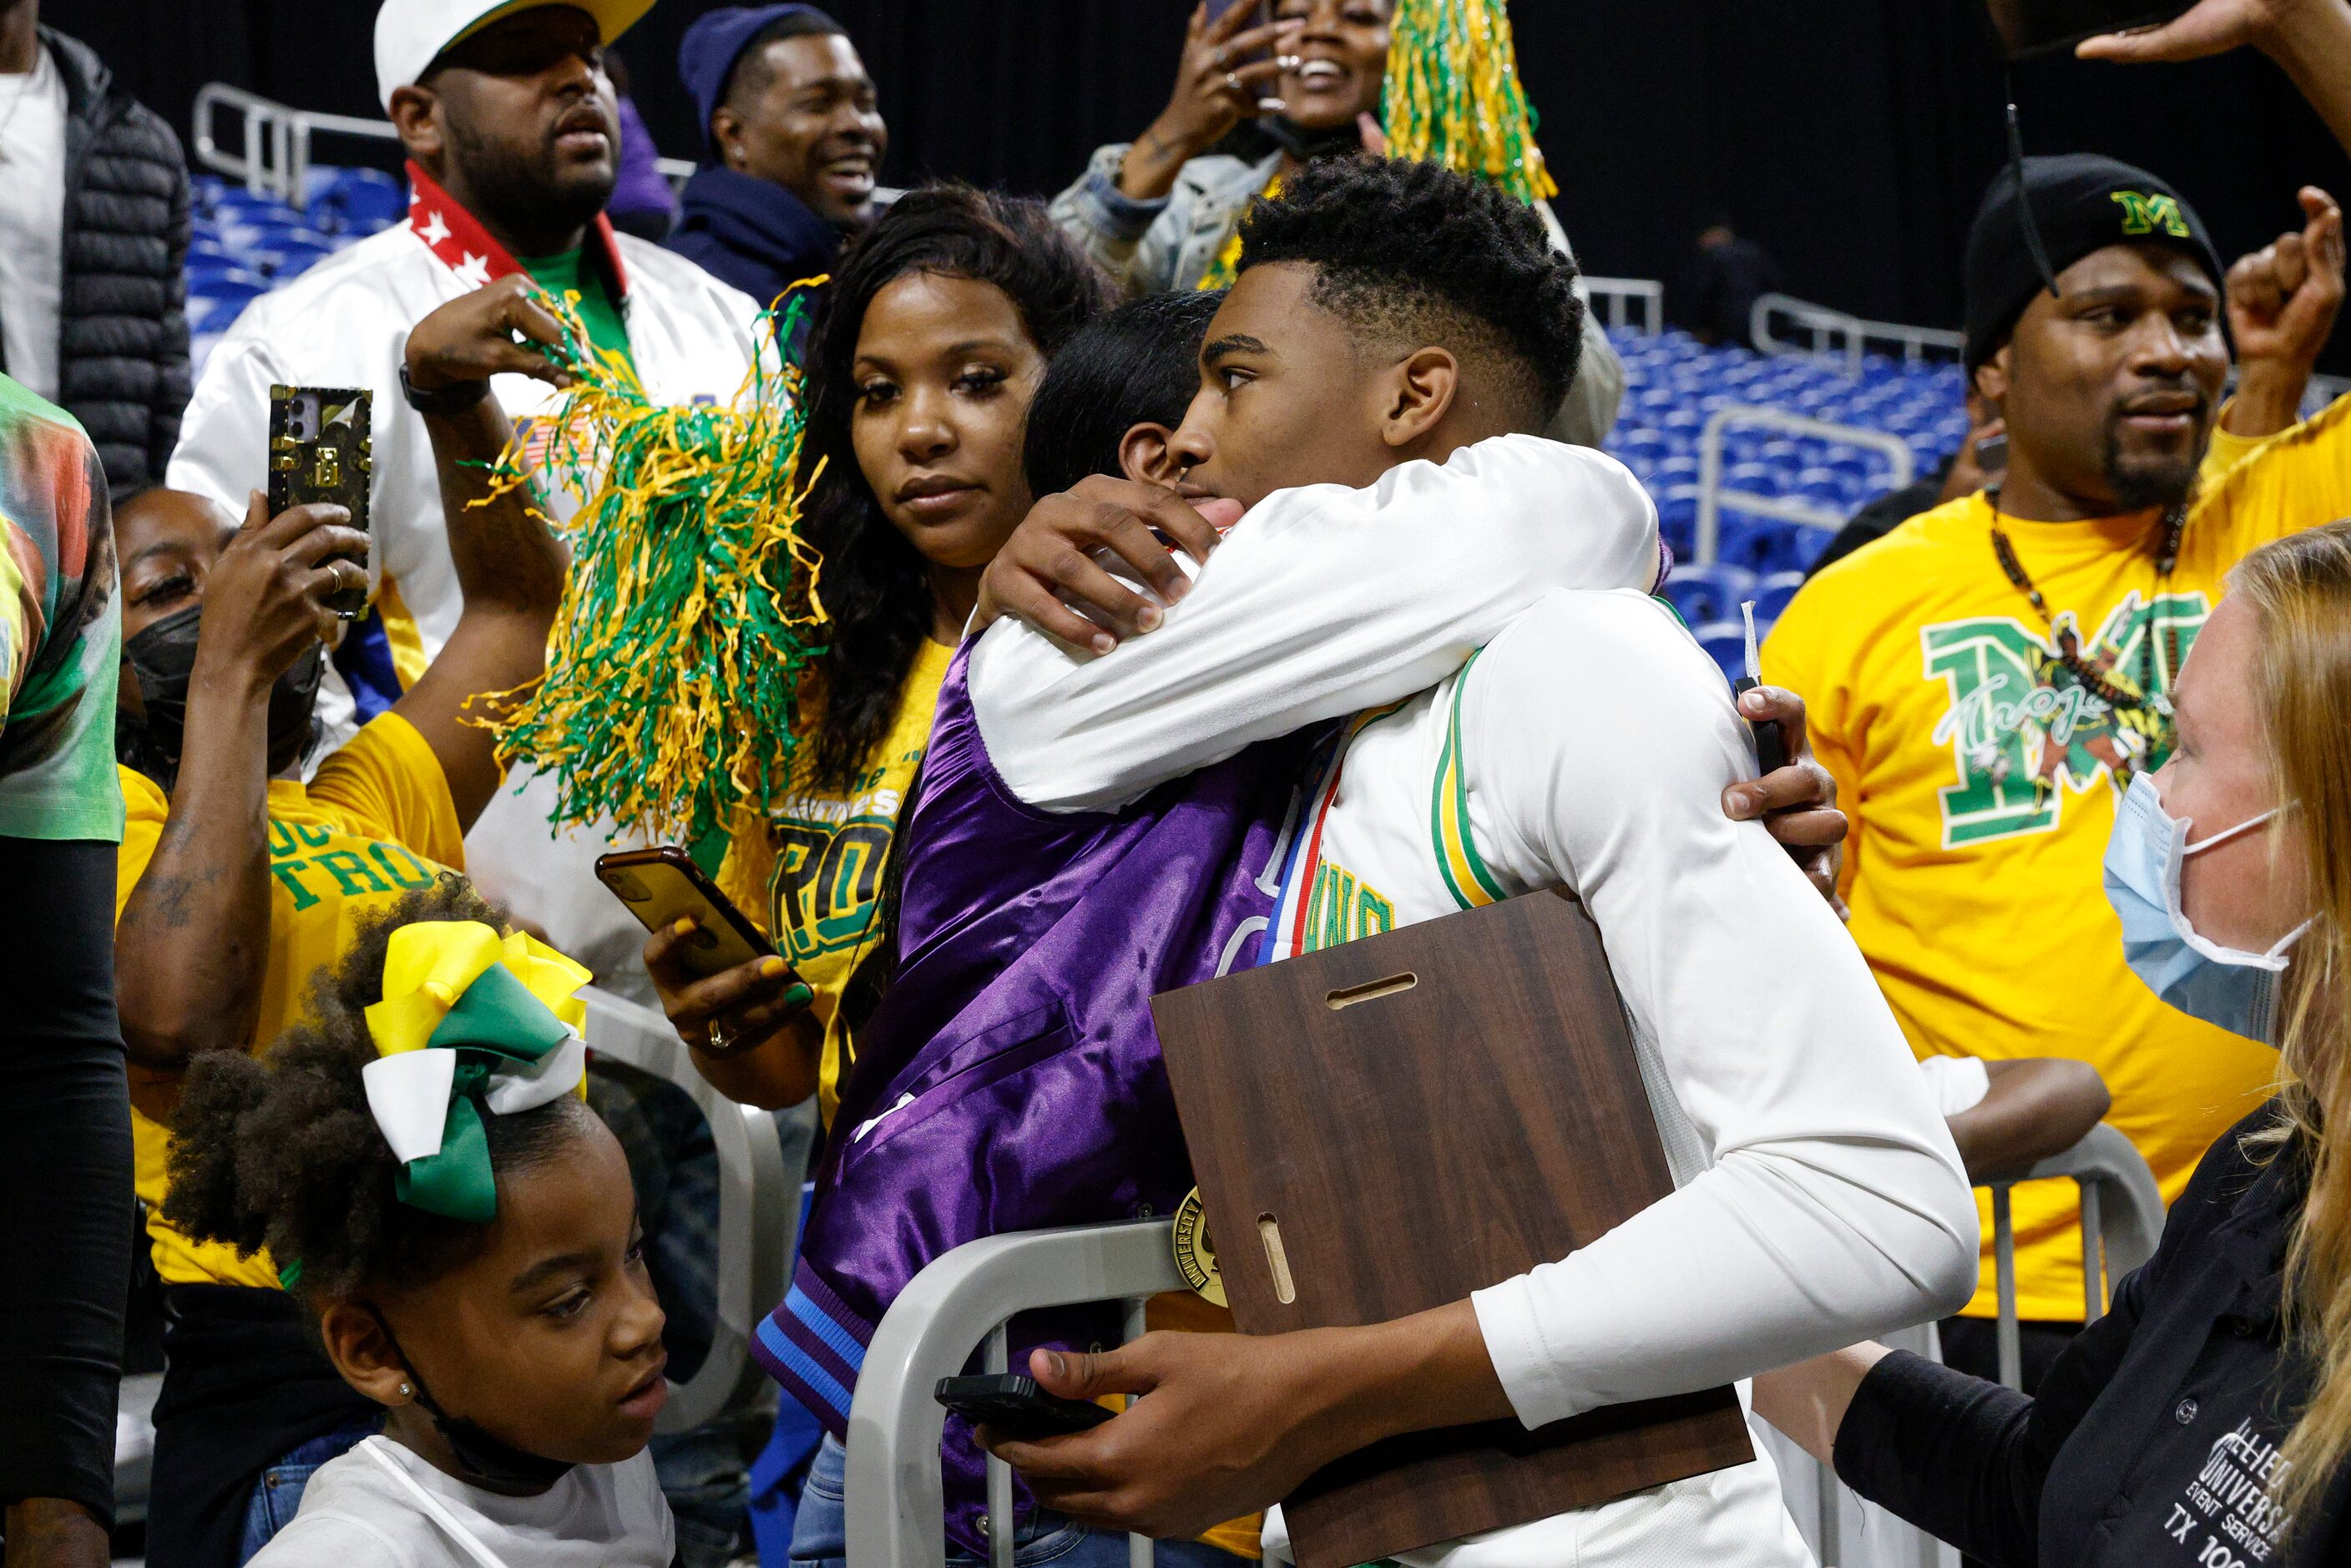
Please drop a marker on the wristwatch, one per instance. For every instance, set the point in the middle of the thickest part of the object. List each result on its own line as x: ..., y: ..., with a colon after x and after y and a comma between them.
x: 449, y: 400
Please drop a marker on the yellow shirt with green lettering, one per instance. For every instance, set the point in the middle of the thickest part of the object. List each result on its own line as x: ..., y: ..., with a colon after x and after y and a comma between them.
x: 376, y: 823
x: 1980, y: 776
x: 810, y: 875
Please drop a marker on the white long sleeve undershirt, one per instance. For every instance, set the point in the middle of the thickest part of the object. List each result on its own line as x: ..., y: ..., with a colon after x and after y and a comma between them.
x: 1596, y: 740
x: 1321, y: 601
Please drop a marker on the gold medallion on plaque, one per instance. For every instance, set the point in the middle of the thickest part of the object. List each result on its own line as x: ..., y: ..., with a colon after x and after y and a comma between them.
x: 1196, y: 1252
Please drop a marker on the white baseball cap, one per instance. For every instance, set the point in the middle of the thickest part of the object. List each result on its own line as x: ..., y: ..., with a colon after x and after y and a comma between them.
x: 410, y: 35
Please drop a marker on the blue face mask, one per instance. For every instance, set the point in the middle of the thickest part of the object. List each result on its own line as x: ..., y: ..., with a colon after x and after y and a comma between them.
x: 2228, y: 989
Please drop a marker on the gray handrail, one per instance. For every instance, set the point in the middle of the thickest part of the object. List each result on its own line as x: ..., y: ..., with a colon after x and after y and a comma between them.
x: 2122, y: 1220
x: 1711, y: 495
x: 1618, y: 293
x: 894, y: 1500
x: 758, y: 1203
x: 276, y: 139
x: 1827, y: 328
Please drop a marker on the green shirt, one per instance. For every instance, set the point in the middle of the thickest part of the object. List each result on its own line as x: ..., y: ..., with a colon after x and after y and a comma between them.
x: 599, y: 309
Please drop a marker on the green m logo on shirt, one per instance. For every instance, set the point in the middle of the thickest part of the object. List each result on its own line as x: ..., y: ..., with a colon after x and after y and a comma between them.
x: 2023, y: 729
x: 2145, y: 214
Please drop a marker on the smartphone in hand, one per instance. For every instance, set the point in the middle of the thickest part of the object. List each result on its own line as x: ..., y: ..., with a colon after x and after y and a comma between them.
x: 1016, y: 1408
x: 320, y: 450
x: 663, y: 885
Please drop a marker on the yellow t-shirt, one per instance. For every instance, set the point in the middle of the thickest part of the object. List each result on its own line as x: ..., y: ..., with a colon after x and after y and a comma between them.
x: 1978, y: 773
x: 377, y: 822
x: 810, y: 875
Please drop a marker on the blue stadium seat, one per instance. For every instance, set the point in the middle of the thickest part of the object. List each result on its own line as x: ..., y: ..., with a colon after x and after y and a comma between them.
x: 217, y: 277
x: 1727, y: 642
x: 1772, y: 593
x: 1756, y: 545
x: 1671, y: 383
x: 221, y: 304
x: 288, y: 256
x: 1708, y: 594
x: 358, y: 201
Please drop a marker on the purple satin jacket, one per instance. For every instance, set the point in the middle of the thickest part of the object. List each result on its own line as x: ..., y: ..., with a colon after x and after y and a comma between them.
x: 1011, y: 1080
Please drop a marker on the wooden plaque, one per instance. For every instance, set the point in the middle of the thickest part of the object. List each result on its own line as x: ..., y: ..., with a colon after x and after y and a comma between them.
x: 1418, y: 1115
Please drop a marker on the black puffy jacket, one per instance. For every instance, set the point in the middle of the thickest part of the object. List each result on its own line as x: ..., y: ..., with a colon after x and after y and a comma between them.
x: 122, y: 323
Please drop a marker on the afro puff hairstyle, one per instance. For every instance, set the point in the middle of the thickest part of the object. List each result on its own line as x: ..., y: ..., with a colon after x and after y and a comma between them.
x: 1410, y: 251
x: 282, y: 1152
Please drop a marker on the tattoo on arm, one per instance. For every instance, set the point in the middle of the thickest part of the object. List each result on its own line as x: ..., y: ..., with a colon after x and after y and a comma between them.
x: 170, y: 901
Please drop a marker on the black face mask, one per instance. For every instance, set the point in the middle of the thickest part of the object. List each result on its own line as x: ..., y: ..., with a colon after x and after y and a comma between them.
x: 163, y: 656
x: 489, y: 1462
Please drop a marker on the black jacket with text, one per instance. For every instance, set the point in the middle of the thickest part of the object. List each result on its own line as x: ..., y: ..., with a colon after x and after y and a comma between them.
x: 2153, y: 1441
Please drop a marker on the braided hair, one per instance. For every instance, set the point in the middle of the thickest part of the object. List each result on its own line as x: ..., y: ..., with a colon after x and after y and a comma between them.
x: 282, y: 1151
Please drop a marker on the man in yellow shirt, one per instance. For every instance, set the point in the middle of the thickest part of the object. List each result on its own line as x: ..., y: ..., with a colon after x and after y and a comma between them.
x: 239, y: 884
x: 1985, y: 680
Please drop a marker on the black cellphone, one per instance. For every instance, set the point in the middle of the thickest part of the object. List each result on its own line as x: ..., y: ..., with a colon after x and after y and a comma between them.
x: 2036, y: 26
x: 1992, y: 454
x: 320, y: 450
x: 662, y: 884
x: 1014, y: 1406
x: 1770, y: 745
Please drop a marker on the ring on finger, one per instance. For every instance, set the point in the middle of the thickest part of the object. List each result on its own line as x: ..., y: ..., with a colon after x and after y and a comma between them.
x: 717, y: 1043
x: 1233, y: 80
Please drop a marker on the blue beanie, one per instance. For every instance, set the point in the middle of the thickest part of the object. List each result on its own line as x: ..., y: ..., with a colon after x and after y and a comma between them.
x: 706, y: 55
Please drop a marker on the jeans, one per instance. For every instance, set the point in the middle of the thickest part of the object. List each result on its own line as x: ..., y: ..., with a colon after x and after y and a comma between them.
x: 820, y: 1535
x: 703, y: 1477
x: 278, y: 1495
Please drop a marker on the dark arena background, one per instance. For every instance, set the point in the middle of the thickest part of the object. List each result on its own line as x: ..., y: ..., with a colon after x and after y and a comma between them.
x: 1851, y: 138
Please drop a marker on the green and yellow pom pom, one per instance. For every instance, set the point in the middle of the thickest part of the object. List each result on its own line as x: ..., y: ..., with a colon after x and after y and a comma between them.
x: 1454, y: 96
x: 672, y: 680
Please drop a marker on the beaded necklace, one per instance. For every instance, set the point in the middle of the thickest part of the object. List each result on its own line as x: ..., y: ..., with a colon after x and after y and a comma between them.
x: 2155, y: 676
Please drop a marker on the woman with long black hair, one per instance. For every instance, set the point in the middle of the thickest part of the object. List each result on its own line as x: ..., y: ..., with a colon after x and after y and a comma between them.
x: 934, y: 337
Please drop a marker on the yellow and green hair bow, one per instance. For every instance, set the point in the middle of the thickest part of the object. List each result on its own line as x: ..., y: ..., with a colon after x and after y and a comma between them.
x: 470, y: 1020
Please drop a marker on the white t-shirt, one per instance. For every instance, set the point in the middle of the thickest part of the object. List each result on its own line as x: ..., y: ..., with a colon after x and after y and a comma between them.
x: 32, y: 222
x: 382, y: 1506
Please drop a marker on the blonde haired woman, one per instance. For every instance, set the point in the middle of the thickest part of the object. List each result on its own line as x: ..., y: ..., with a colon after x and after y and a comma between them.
x: 2207, y: 1418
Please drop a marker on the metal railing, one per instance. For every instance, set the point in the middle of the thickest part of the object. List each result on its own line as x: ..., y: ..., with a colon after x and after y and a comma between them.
x: 274, y: 142
x: 1843, y: 1529
x: 761, y: 1155
x: 272, y: 139
x: 894, y: 1500
x: 2122, y: 1220
x: 1611, y: 298
x: 1837, y: 334
x: 1712, y: 497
